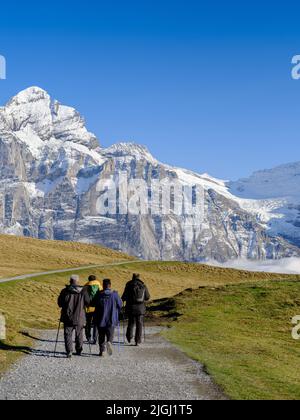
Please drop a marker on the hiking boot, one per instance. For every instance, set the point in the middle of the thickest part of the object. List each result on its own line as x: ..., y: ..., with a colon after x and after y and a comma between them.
x: 79, y: 353
x: 69, y: 356
x: 101, y: 354
x: 109, y: 348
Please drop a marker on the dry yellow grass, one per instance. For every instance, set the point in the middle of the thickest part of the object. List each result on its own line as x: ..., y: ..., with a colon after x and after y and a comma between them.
x: 25, y: 255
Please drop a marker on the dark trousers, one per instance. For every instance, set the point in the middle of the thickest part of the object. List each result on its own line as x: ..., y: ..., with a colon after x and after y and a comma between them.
x: 138, y: 321
x: 68, y: 333
x: 91, y: 328
x: 105, y: 334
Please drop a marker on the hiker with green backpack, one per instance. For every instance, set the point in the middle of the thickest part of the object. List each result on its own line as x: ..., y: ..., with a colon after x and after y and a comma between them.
x: 107, y: 316
x: 93, y: 286
x: 135, y: 295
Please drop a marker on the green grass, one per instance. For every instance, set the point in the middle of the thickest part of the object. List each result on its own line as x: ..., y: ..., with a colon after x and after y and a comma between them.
x: 242, y: 334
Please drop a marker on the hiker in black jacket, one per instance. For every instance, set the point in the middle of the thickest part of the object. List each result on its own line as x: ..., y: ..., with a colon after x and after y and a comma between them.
x: 72, y: 301
x: 135, y: 296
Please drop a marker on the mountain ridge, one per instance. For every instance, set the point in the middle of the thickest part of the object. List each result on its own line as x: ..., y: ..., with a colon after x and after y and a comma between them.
x: 50, y: 169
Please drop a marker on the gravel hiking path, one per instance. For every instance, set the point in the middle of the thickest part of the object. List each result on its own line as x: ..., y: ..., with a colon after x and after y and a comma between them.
x: 154, y: 371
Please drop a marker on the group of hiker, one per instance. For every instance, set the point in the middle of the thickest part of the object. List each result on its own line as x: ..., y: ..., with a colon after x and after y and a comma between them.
x: 96, y: 308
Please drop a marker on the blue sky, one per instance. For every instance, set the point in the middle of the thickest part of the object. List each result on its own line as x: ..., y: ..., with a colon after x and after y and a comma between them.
x: 205, y: 85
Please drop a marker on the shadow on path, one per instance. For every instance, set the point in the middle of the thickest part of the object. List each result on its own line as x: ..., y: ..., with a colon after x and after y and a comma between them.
x: 32, y: 351
x: 28, y: 335
x: 17, y: 349
x: 29, y: 351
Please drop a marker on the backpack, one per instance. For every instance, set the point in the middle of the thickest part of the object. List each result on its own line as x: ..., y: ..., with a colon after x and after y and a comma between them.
x: 138, y: 293
x: 93, y: 290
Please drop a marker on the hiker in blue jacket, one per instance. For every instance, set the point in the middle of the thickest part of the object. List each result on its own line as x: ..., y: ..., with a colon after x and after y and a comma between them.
x: 107, y: 305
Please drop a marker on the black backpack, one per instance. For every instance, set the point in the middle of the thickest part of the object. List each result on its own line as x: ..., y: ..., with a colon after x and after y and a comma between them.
x: 138, y: 293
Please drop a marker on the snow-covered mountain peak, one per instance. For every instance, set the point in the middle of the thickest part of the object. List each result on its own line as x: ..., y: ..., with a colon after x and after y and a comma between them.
x: 281, y: 181
x: 31, y: 94
x: 32, y: 113
x: 69, y: 125
x: 131, y: 150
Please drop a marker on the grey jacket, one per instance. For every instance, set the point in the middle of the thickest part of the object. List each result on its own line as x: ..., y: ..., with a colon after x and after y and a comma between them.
x: 72, y: 301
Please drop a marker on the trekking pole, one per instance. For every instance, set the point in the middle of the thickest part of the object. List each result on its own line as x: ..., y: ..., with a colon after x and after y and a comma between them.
x: 57, y: 337
x: 119, y: 338
x: 144, y: 328
x: 124, y: 319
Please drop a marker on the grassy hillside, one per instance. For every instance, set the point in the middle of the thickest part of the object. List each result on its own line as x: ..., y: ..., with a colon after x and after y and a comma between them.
x: 25, y: 255
x: 242, y: 334
x: 31, y: 303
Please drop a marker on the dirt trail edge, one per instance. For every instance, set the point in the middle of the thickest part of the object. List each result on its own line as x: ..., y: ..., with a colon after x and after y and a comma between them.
x: 156, y: 370
x: 67, y: 270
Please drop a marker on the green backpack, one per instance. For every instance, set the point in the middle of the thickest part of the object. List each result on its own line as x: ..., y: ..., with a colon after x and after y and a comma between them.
x: 93, y: 290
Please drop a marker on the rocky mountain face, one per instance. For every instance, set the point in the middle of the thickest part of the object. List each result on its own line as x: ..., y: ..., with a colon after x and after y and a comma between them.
x: 52, y: 173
